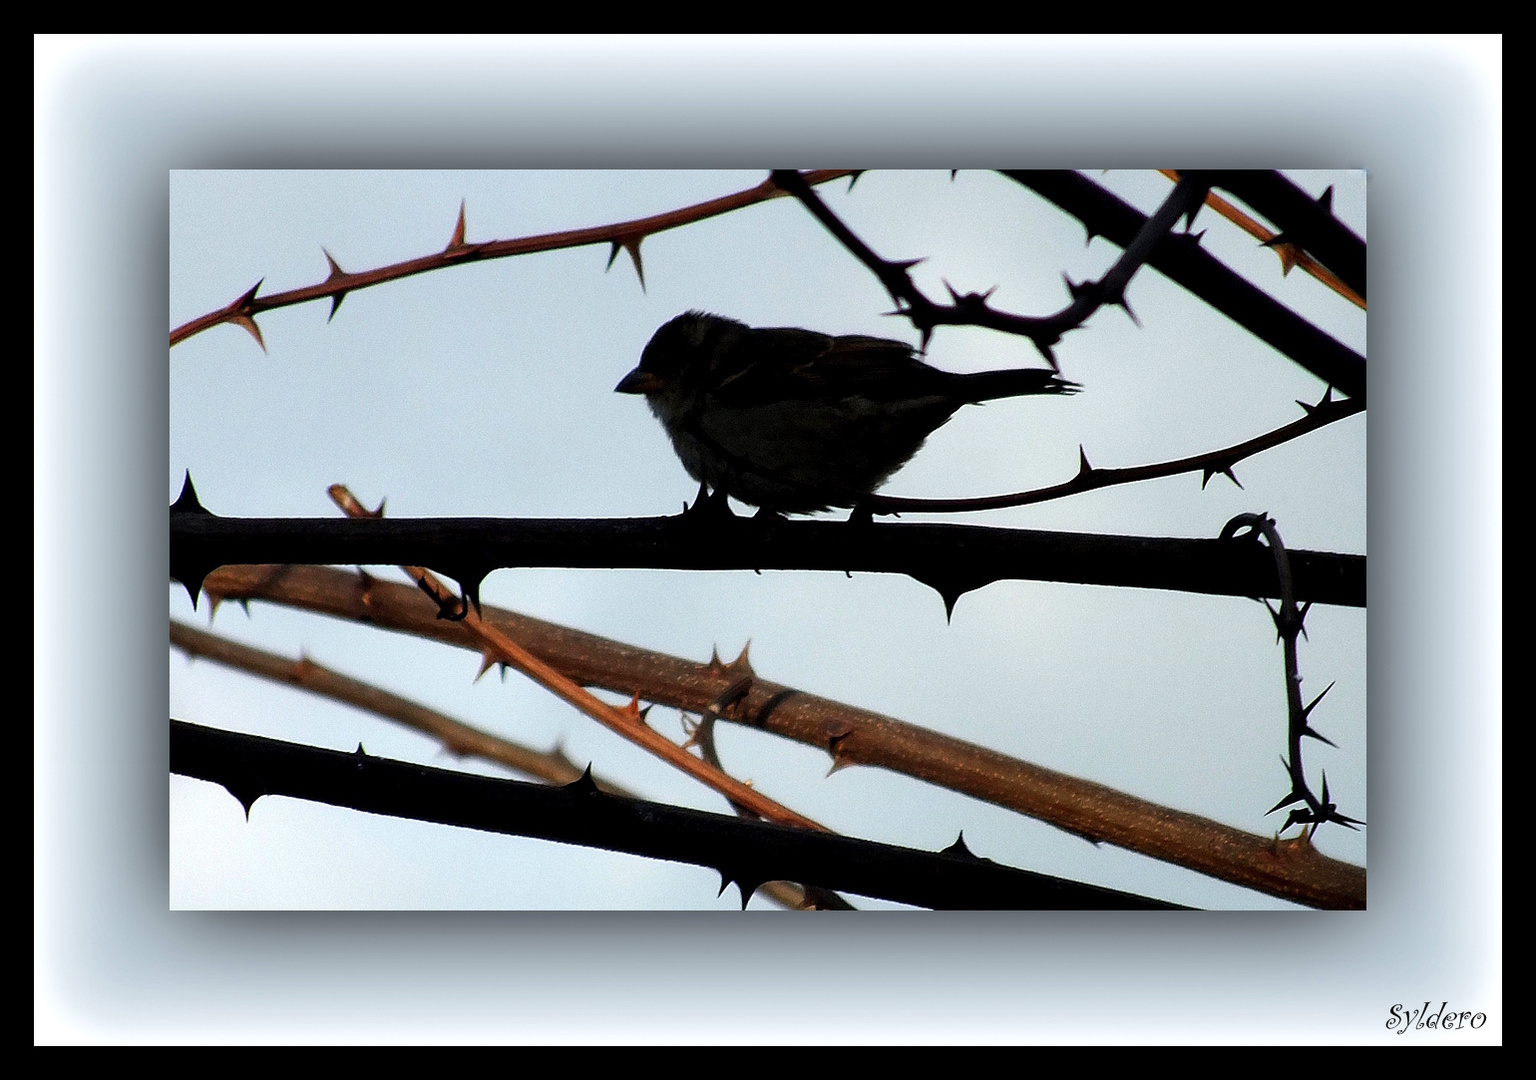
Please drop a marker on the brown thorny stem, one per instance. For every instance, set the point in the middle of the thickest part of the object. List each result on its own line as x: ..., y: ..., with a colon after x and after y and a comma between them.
x: 497, y: 647
x: 1291, y: 869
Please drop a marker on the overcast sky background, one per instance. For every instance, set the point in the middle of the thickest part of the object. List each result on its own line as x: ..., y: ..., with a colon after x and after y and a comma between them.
x: 487, y: 390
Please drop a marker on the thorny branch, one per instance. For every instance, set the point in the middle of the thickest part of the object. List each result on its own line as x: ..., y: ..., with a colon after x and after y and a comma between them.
x: 1290, y: 254
x: 746, y: 852
x: 972, y: 309
x: 1289, y: 625
x: 456, y: 737
x: 951, y: 559
x: 626, y: 235
x: 1305, y: 223
x: 1088, y: 478
x: 850, y: 735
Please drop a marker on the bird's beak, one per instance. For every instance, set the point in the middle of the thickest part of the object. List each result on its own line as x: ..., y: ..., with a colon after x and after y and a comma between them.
x: 639, y: 382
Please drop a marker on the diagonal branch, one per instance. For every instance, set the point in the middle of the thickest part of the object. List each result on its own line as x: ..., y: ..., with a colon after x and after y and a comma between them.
x: 852, y: 736
x: 1290, y: 254
x: 457, y: 738
x: 746, y: 852
x: 626, y: 235
x: 1183, y: 260
x: 1089, y: 478
x: 1304, y: 222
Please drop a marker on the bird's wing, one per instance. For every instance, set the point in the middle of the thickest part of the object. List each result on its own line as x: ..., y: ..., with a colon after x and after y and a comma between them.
x: 778, y: 364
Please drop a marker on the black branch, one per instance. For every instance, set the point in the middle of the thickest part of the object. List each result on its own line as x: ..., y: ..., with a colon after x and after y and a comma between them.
x: 1182, y: 259
x: 972, y: 309
x: 748, y: 853
x: 953, y: 559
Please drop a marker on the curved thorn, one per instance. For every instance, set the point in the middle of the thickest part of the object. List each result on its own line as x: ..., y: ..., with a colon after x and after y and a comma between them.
x: 633, y: 247
x: 248, y: 324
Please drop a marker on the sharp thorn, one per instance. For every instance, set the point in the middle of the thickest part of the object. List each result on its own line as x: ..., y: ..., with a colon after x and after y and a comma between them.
x: 1307, y: 711
x: 248, y: 324
x: 457, y: 239
x: 336, y: 270
x: 186, y: 502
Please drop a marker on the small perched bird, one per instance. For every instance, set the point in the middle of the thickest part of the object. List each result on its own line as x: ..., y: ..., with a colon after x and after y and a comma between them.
x: 793, y: 421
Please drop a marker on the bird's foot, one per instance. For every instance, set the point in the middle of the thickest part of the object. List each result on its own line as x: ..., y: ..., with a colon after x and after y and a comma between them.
x: 709, y: 506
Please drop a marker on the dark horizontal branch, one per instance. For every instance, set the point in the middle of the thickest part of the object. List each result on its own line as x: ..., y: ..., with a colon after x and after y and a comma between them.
x: 1182, y: 259
x: 1306, y: 222
x: 1293, y: 870
x: 953, y: 559
x: 746, y: 852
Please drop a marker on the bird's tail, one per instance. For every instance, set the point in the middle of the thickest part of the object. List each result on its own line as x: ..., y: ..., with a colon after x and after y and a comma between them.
x: 1013, y: 382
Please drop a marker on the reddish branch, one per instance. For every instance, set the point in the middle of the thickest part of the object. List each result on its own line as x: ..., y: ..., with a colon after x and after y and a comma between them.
x: 626, y: 235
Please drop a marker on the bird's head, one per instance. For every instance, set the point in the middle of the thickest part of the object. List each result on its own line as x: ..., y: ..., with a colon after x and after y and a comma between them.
x: 676, y: 362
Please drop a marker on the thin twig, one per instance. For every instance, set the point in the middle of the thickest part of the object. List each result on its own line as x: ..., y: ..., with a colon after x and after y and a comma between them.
x: 1306, y: 222
x: 1090, y: 478
x: 457, y: 738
